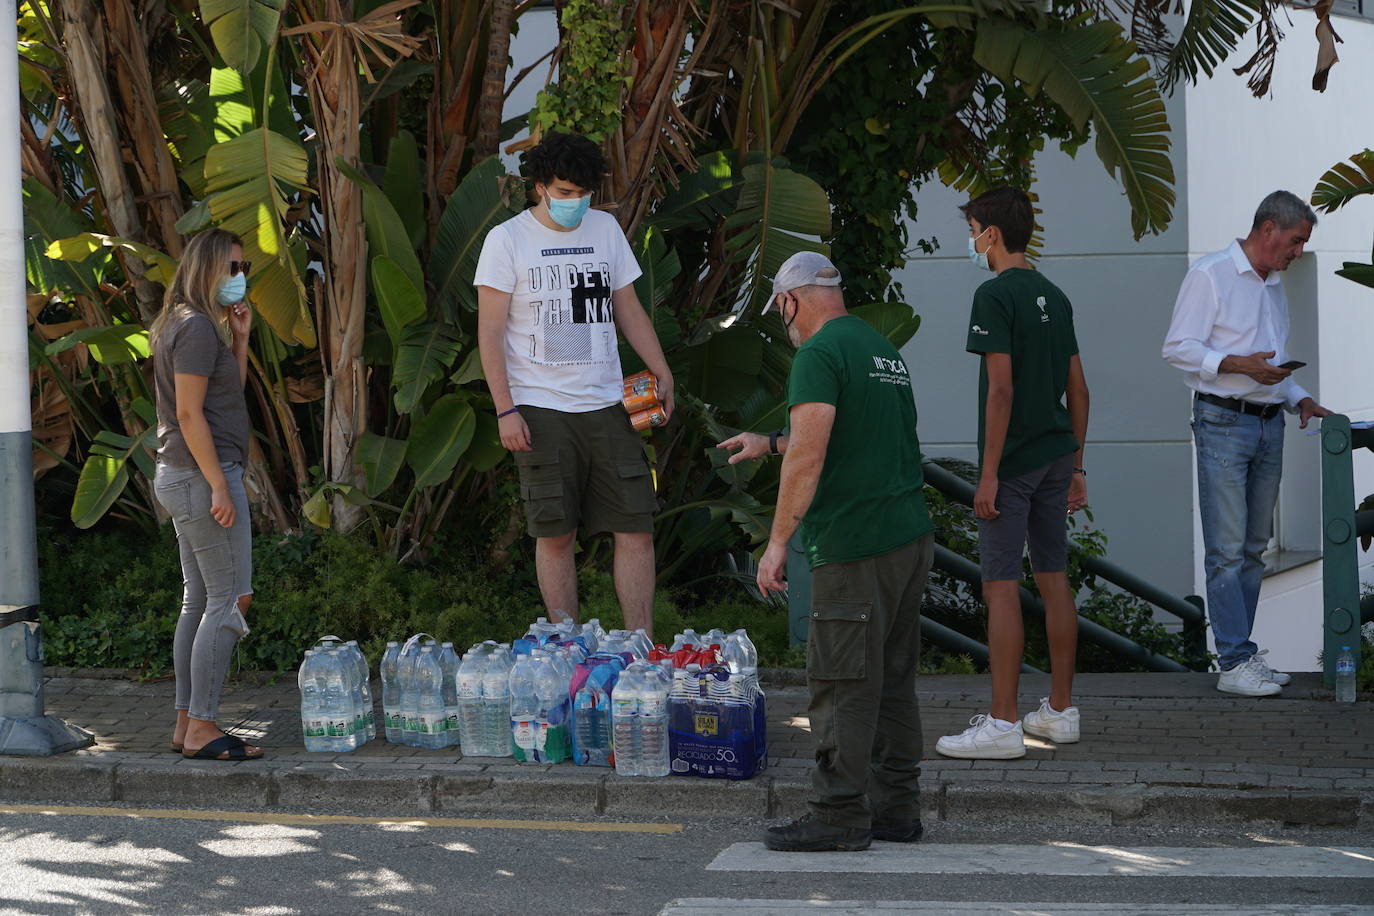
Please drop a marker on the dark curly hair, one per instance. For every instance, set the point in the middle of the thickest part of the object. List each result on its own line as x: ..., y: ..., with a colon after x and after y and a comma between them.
x: 1007, y: 208
x: 570, y: 157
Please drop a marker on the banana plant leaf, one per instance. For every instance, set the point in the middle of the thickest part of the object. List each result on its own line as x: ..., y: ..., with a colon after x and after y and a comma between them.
x: 427, y: 351
x: 1345, y: 181
x: 80, y: 247
x: 381, y: 459
x: 481, y: 200
x: 242, y: 29
x: 106, y: 471
x: 386, y: 232
x: 439, y: 440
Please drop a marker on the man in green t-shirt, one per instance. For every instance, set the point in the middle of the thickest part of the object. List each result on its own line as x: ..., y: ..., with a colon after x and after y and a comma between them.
x: 852, y: 480
x: 1030, y: 449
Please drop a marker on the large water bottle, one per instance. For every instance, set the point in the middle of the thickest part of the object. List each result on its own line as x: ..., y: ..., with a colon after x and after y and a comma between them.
x: 314, y: 722
x: 591, y: 719
x: 432, y: 719
x: 524, y: 711
x: 391, y: 694
x: 410, y: 699
x: 448, y: 660
x: 643, y: 645
x: 496, y: 735
x: 338, y: 703
x: 369, y: 729
x: 553, y: 672
x: 750, y: 653
x: 1345, y: 676
x: 625, y: 721
x: 470, y: 702
x: 653, y: 723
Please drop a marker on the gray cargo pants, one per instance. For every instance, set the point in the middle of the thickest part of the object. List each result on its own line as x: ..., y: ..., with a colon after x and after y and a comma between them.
x: 861, y: 662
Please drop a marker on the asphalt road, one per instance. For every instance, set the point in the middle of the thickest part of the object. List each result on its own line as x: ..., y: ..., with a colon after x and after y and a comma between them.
x: 71, y: 860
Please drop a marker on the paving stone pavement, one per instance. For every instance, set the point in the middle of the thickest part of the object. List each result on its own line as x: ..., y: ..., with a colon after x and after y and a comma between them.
x: 1161, y: 748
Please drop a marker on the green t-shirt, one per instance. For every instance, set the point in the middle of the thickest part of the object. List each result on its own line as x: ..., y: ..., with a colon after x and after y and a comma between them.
x: 869, y: 499
x: 1021, y: 313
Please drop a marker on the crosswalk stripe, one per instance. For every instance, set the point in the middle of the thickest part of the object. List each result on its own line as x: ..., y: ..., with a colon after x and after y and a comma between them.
x: 1062, y: 859
x: 695, y: 906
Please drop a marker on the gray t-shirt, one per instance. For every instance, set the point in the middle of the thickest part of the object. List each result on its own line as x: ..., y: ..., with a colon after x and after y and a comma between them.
x: 190, y: 345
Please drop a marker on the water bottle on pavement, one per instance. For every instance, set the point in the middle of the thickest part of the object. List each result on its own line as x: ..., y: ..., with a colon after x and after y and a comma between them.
x: 524, y: 710
x: 653, y: 724
x: 448, y: 660
x: 591, y: 719
x: 432, y: 719
x: 338, y: 703
x: 470, y: 702
x: 551, y: 689
x: 1345, y: 676
x: 625, y: 721
x: 365, y: 690
x: 410, y: 710
x: 391, y: 694
x: 314, y: 723
x: 496, y: 732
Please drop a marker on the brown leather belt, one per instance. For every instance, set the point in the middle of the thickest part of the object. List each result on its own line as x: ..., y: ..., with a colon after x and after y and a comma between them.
x: 1263, y: 411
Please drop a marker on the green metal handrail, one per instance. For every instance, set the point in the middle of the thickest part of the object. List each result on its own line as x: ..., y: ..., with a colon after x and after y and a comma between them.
x: 1342, y: 609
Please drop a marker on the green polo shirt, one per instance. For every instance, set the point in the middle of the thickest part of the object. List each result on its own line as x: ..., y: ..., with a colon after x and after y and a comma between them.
x: 1021, y: 313
x: 869, y: 499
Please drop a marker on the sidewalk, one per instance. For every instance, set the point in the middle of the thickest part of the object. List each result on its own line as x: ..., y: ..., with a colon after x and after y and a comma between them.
x: 1157, y: 749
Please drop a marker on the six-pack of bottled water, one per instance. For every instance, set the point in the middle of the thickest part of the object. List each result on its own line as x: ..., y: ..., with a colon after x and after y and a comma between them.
x: 563, y: 691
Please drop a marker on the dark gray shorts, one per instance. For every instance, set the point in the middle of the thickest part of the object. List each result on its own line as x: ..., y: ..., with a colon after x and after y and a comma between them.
x: 1033, y: 507
x: 587, y: 470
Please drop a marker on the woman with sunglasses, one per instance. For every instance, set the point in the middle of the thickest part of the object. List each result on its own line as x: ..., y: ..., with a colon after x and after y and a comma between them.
x: 200, y: 364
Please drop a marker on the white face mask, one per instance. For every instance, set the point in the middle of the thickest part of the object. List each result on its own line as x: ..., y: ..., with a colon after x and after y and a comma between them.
x: 979, y: 258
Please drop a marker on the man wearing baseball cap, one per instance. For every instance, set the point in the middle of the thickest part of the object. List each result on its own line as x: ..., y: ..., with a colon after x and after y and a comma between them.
x: 852, y: 481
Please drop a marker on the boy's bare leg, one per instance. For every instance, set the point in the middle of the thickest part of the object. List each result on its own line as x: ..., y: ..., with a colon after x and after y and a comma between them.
x: 553, y: 566
x: 1006, y: 644
x: 634, y: 579
x: 1061, y: 628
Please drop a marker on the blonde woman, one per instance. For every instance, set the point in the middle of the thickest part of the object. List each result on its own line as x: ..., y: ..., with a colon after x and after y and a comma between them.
x: 200, y: 363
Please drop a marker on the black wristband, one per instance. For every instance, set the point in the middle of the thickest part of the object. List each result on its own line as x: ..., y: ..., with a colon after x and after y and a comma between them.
x: 1080, y: 471
x: 773, y: 441
x: 507, y: 413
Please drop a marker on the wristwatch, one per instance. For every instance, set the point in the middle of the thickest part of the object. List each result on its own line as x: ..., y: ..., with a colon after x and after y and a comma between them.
x: 773, y: 441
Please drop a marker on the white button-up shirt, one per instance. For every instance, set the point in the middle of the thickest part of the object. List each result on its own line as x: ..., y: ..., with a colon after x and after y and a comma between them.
x: 1225, y: 308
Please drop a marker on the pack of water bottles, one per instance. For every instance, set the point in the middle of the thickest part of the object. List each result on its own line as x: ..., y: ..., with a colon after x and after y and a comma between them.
x: 717, y: 715
x: 420, y: 693
x: 337, y: 714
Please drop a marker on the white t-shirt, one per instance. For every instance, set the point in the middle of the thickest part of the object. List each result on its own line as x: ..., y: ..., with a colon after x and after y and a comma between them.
x: 561, y: 350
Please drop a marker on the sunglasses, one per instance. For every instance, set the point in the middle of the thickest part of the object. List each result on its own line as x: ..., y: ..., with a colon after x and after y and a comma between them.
x: 239, y: 267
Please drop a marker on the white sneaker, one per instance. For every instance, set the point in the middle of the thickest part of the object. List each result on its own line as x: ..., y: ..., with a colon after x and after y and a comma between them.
x: 1278, y: 677
x: 1247, y: 679
x: 1045, y: 722
x: 983, y: 740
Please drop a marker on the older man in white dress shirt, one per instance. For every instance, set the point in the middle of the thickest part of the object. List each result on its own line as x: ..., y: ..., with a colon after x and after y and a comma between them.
x: 1229, y: 337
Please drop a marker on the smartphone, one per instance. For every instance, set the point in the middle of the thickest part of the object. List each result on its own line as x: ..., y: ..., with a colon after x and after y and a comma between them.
x: 1292, y: 364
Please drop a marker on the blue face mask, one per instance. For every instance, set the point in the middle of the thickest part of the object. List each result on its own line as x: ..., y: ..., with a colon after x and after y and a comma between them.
x: 232, y: 289
x: 979, y: 258
x: 568, y: 213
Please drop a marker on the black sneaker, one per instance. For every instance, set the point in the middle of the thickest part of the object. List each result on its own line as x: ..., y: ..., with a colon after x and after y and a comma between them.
x: 806, y: 834
x: 898, y: 831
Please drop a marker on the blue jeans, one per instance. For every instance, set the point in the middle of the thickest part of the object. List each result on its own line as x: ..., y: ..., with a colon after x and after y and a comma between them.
x: 1239, y: 462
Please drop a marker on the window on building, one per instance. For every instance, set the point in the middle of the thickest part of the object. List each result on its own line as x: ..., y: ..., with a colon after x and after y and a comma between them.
x: 1361, y: 8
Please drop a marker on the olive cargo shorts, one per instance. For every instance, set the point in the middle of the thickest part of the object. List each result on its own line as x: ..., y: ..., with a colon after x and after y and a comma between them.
x: 586, y: 470
x: 861, y: 662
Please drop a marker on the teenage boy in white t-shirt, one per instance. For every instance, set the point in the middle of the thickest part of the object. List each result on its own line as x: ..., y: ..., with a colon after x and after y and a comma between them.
x: 553, y: 286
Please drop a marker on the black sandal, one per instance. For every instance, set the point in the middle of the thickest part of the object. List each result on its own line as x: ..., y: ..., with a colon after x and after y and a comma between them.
x: 225, y: 747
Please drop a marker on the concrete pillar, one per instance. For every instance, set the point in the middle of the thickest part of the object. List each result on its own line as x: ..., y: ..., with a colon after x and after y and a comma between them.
x: 24, y: 729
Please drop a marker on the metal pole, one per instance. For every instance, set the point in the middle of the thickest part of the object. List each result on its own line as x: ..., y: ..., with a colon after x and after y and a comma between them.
x: 24, y: 729
x: 1340, y: 563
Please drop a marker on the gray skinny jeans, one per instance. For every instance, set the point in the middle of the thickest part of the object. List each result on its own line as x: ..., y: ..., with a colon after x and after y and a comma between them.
x: 216, y: 568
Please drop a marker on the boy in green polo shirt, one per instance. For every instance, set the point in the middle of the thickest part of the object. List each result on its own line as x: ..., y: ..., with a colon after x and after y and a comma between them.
x: 1030, y: 448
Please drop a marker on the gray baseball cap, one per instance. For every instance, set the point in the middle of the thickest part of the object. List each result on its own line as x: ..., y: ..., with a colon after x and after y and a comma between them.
x: 805, y: 268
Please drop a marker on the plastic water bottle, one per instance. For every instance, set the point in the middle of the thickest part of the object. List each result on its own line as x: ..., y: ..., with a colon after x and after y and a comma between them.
x: 432, y: 719
x: 524, y: 711
x: 653, y: 723
x: 643, y: 645
x: 1345, y: 676
x: 470, y: 702
x: 410, y: 711
x: 448, y: 661
x: 314, y: 723
x: 625, y: 721
x: 391, y: 694
x: 591, y: 719
x: 338, y: 703
x: 496, y: 732
x: 369, y: 729
x: 551, y: 689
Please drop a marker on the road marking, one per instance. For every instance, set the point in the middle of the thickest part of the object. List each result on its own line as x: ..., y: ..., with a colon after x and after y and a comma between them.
x: 695, y: 906
x: 266, y: 817
x: 1062, y: 859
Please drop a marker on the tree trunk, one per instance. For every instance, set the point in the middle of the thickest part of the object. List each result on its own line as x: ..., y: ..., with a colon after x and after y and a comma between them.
x: 82, y: 36
x: 493, y: 82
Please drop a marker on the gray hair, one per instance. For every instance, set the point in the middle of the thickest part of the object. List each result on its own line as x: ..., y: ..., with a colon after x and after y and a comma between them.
x: 1285, y: 210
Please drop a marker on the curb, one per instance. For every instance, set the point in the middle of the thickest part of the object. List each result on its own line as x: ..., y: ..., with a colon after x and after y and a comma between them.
x: 472, y: 789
